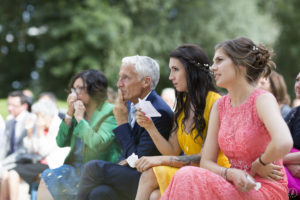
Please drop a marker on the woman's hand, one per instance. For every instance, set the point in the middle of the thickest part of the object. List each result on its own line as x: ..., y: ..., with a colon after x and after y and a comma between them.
x: 72, y: 97
x: 143, y: 120
x: 146, y: 162
x: 29, y: 124
x: 79, y: 110
x: 240, y: 180
x: 269, y: 171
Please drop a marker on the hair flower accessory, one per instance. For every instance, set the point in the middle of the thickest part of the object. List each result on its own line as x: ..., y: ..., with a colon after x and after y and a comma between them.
x: 255, y: 48
x: 205, y: 65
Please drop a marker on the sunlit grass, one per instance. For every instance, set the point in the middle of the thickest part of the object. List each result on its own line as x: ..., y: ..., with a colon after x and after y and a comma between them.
x: 62, y: 105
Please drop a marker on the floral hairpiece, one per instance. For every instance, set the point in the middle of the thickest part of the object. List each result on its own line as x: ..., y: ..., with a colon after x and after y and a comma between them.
x: 255, y: 48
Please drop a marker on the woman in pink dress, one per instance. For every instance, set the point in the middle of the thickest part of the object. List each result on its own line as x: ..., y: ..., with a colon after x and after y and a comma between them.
x: 247, y: 126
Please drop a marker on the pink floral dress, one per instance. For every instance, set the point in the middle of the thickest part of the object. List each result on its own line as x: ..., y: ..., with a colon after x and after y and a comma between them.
x: 242, y: 138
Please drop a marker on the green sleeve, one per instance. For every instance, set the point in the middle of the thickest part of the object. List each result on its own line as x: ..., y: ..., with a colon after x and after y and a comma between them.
x: 99, y: 140
x: 63, y: 138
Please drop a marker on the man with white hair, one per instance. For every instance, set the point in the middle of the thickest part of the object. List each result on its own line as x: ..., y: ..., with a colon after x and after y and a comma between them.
x: 138, y: 78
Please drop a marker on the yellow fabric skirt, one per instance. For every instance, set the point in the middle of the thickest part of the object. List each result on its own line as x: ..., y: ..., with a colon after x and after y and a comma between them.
x: 164, y: 174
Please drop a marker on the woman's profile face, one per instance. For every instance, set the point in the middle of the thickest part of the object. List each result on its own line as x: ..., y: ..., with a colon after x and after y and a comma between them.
x: 178, y: 75
x: 81, y: 92
x: 223, y: 69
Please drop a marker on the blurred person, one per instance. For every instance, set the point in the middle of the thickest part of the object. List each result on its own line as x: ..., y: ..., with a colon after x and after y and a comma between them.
x: 138, y: 78
x: 51, y: 96
x: 2, y: 127
x: 296, y: 101
x: 30, y: 98
x: 12, y: 141
x: 247, y: 126
x: 168, y: 95
x: 292, y: 160
x: 275, y: 84
x: 41, y: 150
x: 111, y: 95
x: 196, y: 93
x: 87, y: 129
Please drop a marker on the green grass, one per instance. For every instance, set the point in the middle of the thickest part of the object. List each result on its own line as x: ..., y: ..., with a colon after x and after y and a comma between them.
x: 3, y: 108
x: 62, y: 105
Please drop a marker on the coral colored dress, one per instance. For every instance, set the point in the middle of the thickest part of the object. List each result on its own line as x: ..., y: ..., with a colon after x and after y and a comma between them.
x: 188, y: 145
x: 242, y: 138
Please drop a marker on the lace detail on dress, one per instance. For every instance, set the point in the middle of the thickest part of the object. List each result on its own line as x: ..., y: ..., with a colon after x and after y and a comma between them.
x: 242, y: 138
x: 242, y: 135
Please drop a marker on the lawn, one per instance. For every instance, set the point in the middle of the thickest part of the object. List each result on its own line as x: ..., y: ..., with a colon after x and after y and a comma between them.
x: 62, y: 105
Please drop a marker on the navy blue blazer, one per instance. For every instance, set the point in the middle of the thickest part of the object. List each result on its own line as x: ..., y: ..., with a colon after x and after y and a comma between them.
x: 293, y: 122
x: 137, y: 140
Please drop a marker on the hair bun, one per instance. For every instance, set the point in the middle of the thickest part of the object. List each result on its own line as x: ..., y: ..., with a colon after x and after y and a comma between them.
x: 264, y: 60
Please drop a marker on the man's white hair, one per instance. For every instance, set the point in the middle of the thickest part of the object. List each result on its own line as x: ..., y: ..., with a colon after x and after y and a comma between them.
x: 144, y: 66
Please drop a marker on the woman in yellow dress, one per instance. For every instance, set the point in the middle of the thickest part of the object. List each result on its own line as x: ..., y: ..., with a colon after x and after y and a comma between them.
x: 195, y: 95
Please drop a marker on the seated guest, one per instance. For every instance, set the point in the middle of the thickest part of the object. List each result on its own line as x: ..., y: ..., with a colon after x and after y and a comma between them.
x: 247, y: 126
x: 2, y: 127
x: 51, y: 96
x: 12, y: 141
x: 138, y: 78
x: 41, y: 150
x: 296, y: 101
x: 168, y: 95
x: 292, y: 160
x: 195, y: 97
x: 87, y: 129
x: 275, y: 84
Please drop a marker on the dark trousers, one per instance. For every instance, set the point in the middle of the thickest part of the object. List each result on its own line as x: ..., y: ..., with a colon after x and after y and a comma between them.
x: 103, y: 180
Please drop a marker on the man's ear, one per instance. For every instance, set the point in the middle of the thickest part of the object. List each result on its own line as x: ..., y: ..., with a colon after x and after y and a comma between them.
x: 146, y: 81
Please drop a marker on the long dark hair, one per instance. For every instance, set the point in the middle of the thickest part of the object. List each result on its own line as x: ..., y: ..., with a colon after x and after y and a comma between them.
x: 199, y: 83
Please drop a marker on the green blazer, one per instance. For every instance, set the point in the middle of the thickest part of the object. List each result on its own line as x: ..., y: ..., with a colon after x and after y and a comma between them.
x: 99, y: 141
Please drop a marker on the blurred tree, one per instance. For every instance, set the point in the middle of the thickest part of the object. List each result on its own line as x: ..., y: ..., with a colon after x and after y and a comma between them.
x: 17, y: 49
x: 287, y: 44
x: 69, y: 36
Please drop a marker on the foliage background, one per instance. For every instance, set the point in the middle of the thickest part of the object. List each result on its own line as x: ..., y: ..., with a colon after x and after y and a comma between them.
x: 44, y: 43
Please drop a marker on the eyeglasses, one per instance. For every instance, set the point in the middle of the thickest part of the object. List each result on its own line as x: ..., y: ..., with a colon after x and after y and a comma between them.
x: 78, y: 89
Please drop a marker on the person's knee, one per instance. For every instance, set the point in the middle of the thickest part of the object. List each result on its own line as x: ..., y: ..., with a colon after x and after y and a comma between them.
x: 103, y: 192
x: 91, y: 167
x: 5, y: 175
x: 13, y: 175
x: 155, y: 195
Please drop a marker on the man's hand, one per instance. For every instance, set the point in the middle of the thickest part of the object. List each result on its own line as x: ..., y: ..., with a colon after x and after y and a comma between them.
x: 120, y: 110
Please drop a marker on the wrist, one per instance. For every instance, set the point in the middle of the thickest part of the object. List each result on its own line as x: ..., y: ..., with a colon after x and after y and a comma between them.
x: 261, y: 161
x: 68, y: 116
x: 70, y: 111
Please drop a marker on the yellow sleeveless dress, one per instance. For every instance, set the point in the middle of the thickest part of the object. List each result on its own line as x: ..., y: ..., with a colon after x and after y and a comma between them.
x: 188, y: 145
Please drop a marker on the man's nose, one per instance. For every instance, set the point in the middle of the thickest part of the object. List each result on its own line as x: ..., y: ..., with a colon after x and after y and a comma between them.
x: 119, y: 83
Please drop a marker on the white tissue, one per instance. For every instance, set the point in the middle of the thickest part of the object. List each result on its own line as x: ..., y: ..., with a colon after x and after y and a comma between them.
x: 132, y: 159
x: 257, y: 184
x: 147, y: 108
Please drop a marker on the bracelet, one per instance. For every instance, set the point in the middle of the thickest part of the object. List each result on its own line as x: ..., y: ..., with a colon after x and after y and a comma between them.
x: 222, y: 170
x: 225, y: 175
x: 261, y: 162
x: 68, y: 116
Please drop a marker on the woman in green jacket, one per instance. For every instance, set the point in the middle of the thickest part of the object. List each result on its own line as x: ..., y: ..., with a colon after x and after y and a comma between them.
x: 87, y: 129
